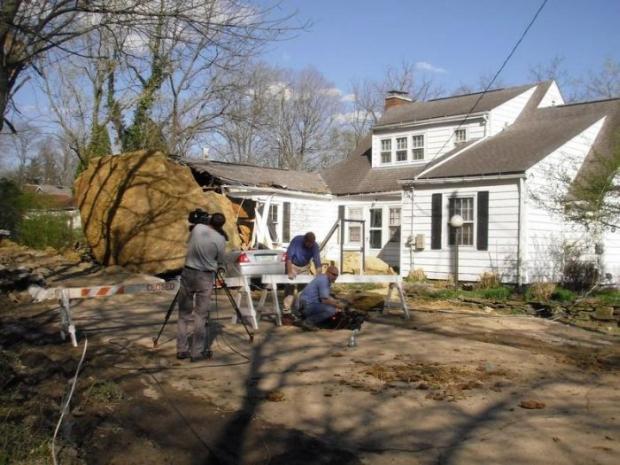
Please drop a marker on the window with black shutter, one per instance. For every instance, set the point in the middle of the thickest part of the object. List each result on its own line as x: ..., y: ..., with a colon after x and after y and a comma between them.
x: 286, y: 222
x: 436, y: 221
x: 482, y: 240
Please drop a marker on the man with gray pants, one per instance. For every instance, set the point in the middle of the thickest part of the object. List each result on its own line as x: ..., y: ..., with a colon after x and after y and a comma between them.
x: 205, y: 253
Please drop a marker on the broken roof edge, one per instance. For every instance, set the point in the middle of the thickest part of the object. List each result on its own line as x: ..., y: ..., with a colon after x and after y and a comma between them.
x: 254, y: 176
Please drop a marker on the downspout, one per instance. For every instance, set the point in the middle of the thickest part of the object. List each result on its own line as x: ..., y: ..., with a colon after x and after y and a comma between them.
x: 411, y: 239
x: 521, y: 232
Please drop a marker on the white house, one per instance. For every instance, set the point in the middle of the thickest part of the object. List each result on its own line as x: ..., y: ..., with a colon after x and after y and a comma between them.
x: 482, y: 156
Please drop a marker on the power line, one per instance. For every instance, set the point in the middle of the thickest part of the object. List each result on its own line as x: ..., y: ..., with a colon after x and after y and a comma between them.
x: 501, y: 68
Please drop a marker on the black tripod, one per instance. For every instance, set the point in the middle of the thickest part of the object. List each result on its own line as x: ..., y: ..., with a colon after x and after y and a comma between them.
x: 220, y: 278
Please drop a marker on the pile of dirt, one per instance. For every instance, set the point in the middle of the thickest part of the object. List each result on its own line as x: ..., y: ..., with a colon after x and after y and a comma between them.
x: 444, y: 382
x: 134, y: 210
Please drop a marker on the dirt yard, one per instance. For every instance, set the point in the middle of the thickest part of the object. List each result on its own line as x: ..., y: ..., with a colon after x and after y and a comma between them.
x: 448, y: 386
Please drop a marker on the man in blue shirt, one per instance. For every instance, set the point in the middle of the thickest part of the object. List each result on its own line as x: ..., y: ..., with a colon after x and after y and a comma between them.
x: 301, y: 250
x: 317, y: 303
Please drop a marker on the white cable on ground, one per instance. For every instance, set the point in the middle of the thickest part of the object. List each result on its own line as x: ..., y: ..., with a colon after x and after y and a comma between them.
x: 66, y: 406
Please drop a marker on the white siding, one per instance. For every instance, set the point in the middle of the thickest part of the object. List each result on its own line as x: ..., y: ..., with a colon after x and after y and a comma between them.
x: 501, y: 255
x: 505, y: 114
x: 611, y: 255
x: 552, y: 97
x: 547, y: 233
x: 437, y: 140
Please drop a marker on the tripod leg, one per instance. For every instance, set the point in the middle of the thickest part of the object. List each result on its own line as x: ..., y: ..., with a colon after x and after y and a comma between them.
x: 168, y: 313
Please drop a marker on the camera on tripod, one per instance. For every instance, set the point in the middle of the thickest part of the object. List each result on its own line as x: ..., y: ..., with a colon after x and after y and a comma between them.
x: 199, y: 216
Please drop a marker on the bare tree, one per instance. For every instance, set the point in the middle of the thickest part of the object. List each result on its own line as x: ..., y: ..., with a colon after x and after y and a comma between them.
x: 303, y: 114
x: 21, y: 150
x: 605, y: 83
x: 283, y: 119
x: 556, y: 71
x: 244, y: 135
x: 29, y: 31
x: 369, y: 95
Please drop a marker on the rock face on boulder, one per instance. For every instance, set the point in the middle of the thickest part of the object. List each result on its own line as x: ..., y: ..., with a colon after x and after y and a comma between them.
x: 134, y: 210
x: 374, y: 265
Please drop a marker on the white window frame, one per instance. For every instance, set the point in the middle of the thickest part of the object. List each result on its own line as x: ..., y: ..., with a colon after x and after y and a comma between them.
x: 372, y: 228
x: 393, y: 225
x: 277, y: 225
x: 351, y: 216
x: 469, y: 223
x: 385, y: 151
x: 457, y: 139
x: 401, y: 149
x: 415, y: 146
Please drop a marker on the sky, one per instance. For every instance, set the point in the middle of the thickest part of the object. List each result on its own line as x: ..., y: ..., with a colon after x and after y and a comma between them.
x: 455, y: 41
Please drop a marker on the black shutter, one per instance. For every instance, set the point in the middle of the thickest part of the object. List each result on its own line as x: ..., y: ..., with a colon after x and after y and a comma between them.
x: 436, y: 222
x: 482, y: 240
x: 286, y: 222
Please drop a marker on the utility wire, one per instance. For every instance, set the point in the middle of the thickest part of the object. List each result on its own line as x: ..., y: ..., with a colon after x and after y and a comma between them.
x: 501, y: 68
x: 65, y: 408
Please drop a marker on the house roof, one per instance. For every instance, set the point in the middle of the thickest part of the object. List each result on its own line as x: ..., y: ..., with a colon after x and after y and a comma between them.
x: 251, y: 175
x: 535, y: 134
x: 355, y: 175
x: 53, y: 197
x: 531, y: 138
x: 449, y: 106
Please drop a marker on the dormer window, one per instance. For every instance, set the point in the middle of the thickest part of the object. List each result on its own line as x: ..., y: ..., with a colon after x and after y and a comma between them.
x: 386, y: 151
x: 417, y: 143
x: 460, y: 136
x: 401, y: 149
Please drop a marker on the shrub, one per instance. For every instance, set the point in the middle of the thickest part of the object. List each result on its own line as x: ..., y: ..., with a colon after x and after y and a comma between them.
x: 609, y: 297
x: 43, y: 230
x: 497, y: 293
x: 416, y: 275
x: 540, y: 291
x: 579, y: 275
x: 563, y: 295
x: 488, y: 280
x: 12, y: 206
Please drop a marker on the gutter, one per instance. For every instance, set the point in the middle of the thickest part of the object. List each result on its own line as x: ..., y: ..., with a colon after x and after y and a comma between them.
x: 460, y: 179
x: 521, y: 243
x: 432, y: 121
x: 232, y: 188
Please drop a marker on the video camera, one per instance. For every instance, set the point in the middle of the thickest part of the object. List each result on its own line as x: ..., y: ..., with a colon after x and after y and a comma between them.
x: 199, y: 216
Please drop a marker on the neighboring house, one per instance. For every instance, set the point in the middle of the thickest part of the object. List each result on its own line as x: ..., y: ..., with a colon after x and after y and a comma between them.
x: 483, y: 156
x: 55, y: 200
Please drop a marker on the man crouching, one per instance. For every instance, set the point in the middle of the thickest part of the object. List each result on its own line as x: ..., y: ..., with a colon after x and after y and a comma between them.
x: 317, y: 304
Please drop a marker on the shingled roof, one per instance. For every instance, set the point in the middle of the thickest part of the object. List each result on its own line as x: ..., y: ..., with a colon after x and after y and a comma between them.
x: 251, y: 175
x: 535, y: 134
x: 531, y: 138
x: 448, y: 106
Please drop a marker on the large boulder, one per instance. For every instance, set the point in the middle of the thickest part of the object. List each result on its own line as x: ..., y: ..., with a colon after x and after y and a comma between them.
x: 134, y: 210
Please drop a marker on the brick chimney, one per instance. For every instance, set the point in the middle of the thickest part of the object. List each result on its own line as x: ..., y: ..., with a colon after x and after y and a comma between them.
x: 395, y: 98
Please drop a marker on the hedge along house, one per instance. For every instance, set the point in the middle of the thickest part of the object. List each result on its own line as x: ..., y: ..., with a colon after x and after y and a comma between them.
x: 483, y: 156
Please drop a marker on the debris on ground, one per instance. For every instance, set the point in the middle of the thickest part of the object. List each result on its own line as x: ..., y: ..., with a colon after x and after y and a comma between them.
x: 532, y: 404
x: 444, y: 382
